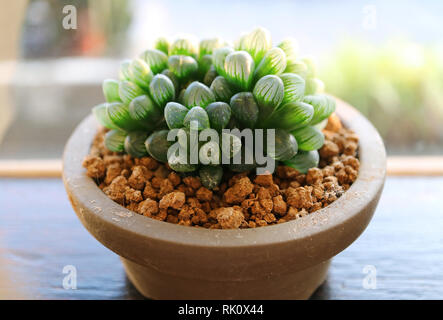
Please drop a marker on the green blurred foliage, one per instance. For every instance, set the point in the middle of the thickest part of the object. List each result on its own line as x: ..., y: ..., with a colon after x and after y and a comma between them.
x: 398, y: 86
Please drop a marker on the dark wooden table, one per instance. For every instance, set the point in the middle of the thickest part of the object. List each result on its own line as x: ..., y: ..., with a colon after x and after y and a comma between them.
x: 40, y: 235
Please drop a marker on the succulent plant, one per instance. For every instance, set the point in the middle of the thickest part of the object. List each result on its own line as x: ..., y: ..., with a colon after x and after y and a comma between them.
x: 182, y: 85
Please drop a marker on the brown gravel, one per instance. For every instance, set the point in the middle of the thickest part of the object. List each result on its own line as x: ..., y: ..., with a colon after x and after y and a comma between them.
x: 241, y: 201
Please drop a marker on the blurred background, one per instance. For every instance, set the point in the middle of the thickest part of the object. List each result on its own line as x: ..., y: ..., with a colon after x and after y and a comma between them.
x: 385, y: 58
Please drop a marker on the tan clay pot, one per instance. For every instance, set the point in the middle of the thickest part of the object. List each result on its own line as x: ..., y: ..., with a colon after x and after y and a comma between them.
x: 284, y: 261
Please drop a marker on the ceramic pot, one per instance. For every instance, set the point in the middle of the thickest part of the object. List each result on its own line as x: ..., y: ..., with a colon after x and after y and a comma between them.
x: 284, y: 261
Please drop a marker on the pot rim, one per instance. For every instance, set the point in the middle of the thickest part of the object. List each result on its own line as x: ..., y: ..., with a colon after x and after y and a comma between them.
x: 361, y: 194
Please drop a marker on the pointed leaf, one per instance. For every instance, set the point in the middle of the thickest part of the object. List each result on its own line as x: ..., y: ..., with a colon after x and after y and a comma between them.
x: 210, y: 76
x: 110, y: 90
x: 285, y: 146
x: 140, y: 73
x: 183, y: 46
x: 162, y: 90
x: 123, y: 73
x: 219, y: 114
x: 162, y: 44
x: 115, y: 140
x: 309, y: 138
x: 182, y: 66
x: 294, y: 87
x: 239, y: 70
x: 304, y: 160
x: 157, y: 145
x: 219, y: 57
x: 174, y: 164
x: 274, y: 62
x: 256, y: 43
x: 298, y: 67
x: 199, y: 115
x: 290, y: 48
x: 204, y: 65
x: 144, y: 110
x: 323, y: 107
x: 245, y: 109
x: 290, y: 116
x: 197, y: 94
x: 207, y: 46
x: 268, y: 93
x: 221, y: 89
x: 157, y: 60
x: 175, y: 113
x: 173, y: 78
x: 313, y: 86
x: 120, y: 116
x: 100, y: 113
x: 135, y: 144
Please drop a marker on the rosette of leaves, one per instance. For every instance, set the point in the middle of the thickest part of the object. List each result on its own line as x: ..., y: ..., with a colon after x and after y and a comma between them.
x: 183, y: 85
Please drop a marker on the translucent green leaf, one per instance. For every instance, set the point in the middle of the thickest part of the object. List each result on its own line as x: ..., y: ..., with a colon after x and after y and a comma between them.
x: 197, y: 94
x: 311, y: 67
x: 323, y: 107
x: 123, y: 72
x: 221, y: 89
x: 162, y: 90
x: 120, y: 116
x: 100, y: 113
x: 309, y: 138
x: 175, y: 113
x: 140, y: 73
x: 294, y: 87
x: 204, y: 65
x: 268, y: 93
x: 207, y: 46
x: 285, y: 146
x: 143, y: 109
x: 162, y: 44
x: 135, y: 144
x: 173, y: 78
x: 110, y: 90
x: 210, y: 176
x: 290, y: 116
x: 219, y: 114
x: 198, y: 116
x: 313, y: 86
x: 183, y: 46
x: 297, y: 67
x: 157, y: 60
x: 210, y: 76
x: 239, y: 70
x: 219, y: 57
x: 157, y: 145
x: 245, y: 109
x: 257, y: 43
x: 304, y: 160
x: 175, y: 164
x: 290, y: 48
x: 115, y: 140
x: 182, y: 66
x: 273, y: 62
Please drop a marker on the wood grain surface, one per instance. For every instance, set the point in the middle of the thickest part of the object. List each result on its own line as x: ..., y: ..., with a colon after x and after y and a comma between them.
x: 40, y: 235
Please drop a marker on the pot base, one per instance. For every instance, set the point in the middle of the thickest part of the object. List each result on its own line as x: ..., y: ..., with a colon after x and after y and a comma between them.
x: 155, y: 284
